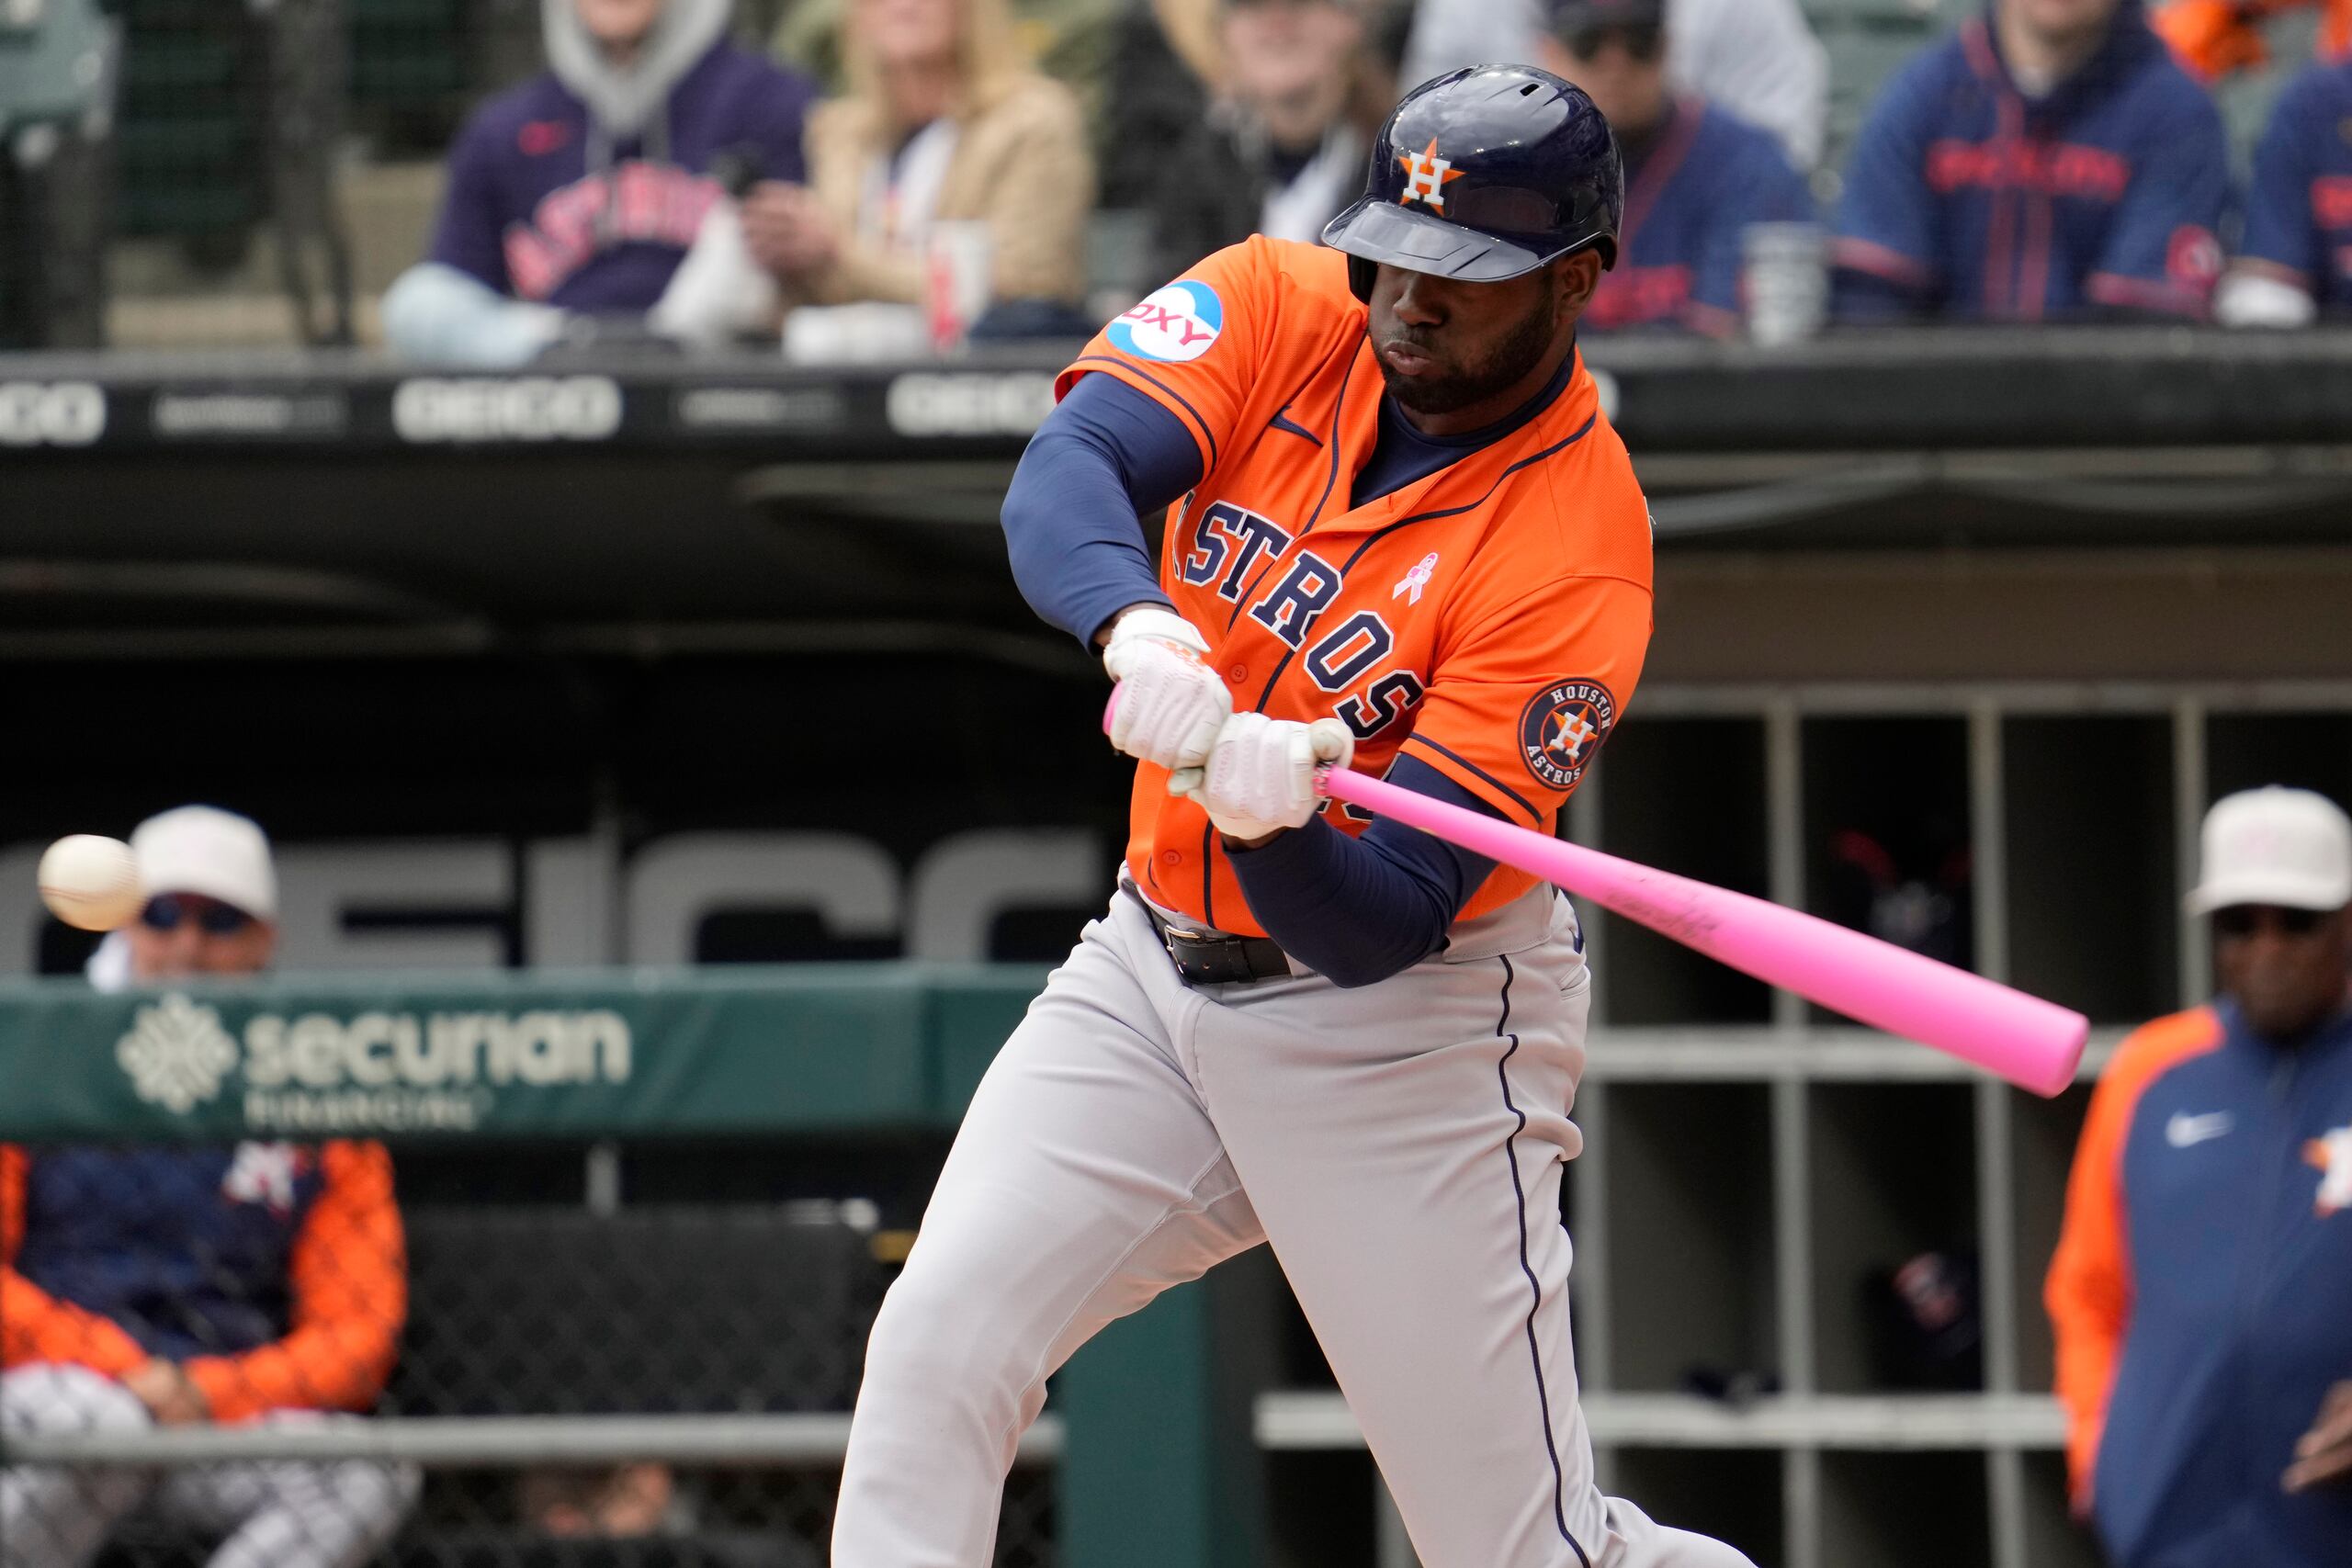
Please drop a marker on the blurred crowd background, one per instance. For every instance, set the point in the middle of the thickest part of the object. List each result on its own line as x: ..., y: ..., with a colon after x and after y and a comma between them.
x: 481, y: 179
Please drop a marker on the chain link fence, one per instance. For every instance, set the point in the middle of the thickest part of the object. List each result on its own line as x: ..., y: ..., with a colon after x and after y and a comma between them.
x: 259, y: 1356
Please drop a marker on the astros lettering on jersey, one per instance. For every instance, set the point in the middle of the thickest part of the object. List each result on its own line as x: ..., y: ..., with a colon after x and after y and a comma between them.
x: 1490, y: 619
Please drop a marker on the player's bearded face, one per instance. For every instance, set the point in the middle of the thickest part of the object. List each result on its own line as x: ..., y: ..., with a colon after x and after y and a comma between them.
x: 1444, y: 346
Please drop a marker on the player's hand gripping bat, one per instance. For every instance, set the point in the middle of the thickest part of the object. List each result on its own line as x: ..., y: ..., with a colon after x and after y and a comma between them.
x: 2032, y: 1044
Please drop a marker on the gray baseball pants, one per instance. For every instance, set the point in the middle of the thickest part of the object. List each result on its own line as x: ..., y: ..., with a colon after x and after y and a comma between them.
x: 273, y: 1514
x: 1399, y: 1144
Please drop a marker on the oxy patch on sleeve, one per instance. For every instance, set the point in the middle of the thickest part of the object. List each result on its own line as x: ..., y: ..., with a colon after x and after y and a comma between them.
x: 1171, y: 325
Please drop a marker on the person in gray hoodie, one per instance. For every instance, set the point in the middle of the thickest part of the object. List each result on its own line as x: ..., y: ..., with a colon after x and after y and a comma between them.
x: 573, y: 198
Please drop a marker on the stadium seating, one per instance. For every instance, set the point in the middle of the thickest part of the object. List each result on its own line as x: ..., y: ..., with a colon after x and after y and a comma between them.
x: 58, y: 65
x: 189, y: 130
x: 411, y: 77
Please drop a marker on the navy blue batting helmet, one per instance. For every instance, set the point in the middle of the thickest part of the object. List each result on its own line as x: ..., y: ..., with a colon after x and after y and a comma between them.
x: 1485, y: 174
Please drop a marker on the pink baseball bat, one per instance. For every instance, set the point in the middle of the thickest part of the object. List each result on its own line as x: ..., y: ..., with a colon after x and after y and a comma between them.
x: 2031, y: 1042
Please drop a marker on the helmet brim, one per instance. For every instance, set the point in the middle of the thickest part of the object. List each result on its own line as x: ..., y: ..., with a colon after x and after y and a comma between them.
x: 1380, y: 231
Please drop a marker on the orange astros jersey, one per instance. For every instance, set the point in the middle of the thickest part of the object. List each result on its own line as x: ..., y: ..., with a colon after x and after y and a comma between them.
x: 1490, y: 619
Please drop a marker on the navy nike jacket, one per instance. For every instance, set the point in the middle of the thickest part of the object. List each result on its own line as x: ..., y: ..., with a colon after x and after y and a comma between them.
x: 2202, y: 1292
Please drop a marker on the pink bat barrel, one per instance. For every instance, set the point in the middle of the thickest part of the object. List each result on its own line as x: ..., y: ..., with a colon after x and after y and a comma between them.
x: 2032, y: 1044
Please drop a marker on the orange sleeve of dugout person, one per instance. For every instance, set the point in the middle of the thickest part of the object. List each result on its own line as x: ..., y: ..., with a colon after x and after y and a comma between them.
x: 35, y: 1326
x: 2089, y: 1292
x: 348, y: 1287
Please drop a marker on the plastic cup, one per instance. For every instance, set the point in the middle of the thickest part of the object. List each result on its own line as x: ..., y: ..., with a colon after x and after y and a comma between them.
x: 1786, y: 281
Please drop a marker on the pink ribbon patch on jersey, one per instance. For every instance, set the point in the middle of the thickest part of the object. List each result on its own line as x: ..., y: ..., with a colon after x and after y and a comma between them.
x: 1415, y: 579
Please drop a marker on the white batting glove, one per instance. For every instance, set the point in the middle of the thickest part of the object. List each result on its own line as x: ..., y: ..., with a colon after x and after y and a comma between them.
x: 1259, y: 777
x: 1170, y: 704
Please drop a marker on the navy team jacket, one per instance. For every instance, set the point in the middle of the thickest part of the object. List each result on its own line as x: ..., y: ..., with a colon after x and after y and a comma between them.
x: 2202, y: 1294
x: 1967, y: 199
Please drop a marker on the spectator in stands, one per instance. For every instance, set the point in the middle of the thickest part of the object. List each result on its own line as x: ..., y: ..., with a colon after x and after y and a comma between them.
x: 1277, y: 153
x: 160, y: 1286
x: 2047, y: 160
x: 1696, y: 179
x: 2200, y: 1286
x: 943, y: 125
x: 1756, y: 58
x: 2296, y: 258
x: 573, y: 199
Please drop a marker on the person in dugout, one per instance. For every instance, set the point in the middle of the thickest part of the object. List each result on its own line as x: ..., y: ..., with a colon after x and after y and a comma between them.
x: 1696, y: 179
x: 2049, y: 160
x: 2201, y: 1290
x: 161, y: 1285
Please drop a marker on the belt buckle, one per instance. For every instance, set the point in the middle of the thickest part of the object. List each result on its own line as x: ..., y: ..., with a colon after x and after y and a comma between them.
x: 1202, y: 960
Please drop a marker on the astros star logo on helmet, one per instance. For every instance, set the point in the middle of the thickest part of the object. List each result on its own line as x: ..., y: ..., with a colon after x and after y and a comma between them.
x: 1426, y: 177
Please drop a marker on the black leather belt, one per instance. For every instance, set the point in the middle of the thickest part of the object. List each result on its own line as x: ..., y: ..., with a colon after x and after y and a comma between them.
x: 1214, y: 958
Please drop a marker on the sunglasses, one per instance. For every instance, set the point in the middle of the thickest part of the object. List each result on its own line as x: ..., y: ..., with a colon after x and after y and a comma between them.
x: 165, y: 911
x: 2243, y: 921
x: 1643, y: 42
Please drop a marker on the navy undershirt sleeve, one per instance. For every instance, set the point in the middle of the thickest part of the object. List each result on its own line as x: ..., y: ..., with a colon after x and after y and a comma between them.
x: 1359, y: 909
x: 1104, y: 455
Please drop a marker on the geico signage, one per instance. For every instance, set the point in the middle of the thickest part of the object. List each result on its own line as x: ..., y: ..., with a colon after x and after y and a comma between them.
x: 519, y: 408
x: 576, y: 901
x: 52, y: 413
x: 969, y: 403
x: 380, y: 1050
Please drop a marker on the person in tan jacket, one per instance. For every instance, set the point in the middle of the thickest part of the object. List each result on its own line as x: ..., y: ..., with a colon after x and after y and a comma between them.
x: 944, y: 123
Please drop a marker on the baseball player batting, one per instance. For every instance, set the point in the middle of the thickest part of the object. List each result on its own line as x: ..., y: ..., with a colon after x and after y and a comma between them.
x: 1401, y: 537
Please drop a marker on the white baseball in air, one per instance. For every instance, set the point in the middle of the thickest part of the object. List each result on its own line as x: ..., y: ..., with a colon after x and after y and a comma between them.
x: 90, y: 882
